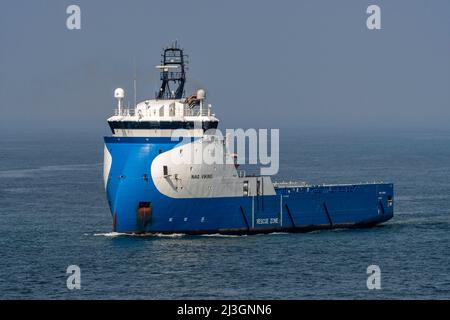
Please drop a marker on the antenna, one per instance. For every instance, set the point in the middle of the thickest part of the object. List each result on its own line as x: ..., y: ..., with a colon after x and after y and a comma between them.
x: 135, y: 81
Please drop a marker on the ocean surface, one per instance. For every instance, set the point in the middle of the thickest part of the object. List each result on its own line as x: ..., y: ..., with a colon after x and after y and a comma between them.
x: 53, y: 213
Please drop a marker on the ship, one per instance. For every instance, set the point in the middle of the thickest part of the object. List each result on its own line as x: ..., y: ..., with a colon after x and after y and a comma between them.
x: 149, y: 192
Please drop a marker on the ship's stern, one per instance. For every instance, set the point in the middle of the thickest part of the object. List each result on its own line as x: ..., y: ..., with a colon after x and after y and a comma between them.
x: 385, y: 201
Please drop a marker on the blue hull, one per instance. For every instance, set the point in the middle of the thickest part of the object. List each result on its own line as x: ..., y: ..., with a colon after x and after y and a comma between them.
x: 292, y: 209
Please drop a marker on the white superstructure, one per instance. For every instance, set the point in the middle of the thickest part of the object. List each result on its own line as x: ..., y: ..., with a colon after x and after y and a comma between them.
x: 159, y: 118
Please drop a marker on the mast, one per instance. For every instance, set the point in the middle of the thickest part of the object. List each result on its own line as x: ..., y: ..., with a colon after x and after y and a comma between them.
x: 173, y: 74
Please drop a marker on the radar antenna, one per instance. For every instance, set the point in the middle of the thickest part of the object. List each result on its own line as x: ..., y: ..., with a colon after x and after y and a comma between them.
x: 172, y: 73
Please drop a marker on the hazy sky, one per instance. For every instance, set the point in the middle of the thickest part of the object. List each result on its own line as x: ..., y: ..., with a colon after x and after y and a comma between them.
x: 271, y: 64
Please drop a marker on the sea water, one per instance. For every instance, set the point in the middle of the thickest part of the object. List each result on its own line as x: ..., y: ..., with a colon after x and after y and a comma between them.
x: 53, y: 214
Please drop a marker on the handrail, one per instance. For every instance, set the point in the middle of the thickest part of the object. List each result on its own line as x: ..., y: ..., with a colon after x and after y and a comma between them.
x: 125, y: 112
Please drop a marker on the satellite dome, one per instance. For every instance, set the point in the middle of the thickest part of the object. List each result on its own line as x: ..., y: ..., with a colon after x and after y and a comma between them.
x: 201, y: 94
x: 119, y: 93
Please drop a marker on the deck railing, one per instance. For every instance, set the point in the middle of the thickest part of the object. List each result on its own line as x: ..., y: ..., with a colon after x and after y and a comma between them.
x: 185, y: 112
x: 125, y: 112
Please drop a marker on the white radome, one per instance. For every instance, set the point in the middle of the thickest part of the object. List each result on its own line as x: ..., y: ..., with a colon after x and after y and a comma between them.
x: 119, y: 93
x: 201, y: 94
